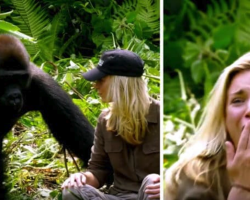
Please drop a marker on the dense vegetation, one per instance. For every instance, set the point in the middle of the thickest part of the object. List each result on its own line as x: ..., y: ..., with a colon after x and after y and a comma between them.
x: 66, y: 38
x: 201, y: 38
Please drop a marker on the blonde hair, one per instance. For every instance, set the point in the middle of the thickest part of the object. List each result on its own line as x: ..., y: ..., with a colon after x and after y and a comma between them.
x: 204, y: 154
x: 129, y: 106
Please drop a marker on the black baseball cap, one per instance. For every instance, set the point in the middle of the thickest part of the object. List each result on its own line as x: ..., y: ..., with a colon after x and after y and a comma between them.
x: 116, y: 62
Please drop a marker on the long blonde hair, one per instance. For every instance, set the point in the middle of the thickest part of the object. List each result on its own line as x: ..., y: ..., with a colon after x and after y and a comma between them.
x: 129, y: 106
x: 204, y: 154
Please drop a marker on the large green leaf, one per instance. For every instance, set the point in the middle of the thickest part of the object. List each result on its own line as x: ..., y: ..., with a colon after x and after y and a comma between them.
x: 6, y: 26
x: 223, y: 36
x: 198, y: 70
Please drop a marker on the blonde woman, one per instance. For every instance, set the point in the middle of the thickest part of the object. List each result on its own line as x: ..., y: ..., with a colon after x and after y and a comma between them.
x: 127, y: 135
x: 215, y: 164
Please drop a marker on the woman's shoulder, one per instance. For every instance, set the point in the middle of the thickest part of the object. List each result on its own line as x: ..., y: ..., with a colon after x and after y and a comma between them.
x: 155, y: 105
x: 154, y: 111
x: 189, y: 188
x: 155, y: 102
x: 103, y: 114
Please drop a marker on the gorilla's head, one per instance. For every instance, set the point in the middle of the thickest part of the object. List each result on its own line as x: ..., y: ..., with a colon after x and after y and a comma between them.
x: 14, y: 73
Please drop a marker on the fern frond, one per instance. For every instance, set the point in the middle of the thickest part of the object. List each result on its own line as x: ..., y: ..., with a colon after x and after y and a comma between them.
x: 31, y: 19
x: 243, y: 30
x: 121, y: 10
x: 220, y: 9
x: 149, y: 12
x: 49, y: 43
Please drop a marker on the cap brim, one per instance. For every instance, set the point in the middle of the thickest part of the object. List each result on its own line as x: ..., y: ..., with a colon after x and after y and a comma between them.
x: 94, y: 75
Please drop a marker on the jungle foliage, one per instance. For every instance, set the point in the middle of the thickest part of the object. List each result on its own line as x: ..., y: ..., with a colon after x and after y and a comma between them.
x: 201, y: 38
x: 66, y: 38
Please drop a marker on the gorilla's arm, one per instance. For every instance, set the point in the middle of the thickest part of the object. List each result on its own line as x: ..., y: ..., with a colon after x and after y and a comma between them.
x: 23, y: 88
x: 64, y: 119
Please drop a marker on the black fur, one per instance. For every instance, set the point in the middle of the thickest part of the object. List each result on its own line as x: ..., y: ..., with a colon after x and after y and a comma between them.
x: 24, y: 87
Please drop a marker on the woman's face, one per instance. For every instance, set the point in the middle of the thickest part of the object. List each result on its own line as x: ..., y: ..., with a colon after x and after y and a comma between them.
x: 238, y: 105
x: 102, y: 86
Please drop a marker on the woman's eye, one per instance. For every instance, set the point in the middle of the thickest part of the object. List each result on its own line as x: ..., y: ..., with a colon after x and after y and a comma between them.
x: 237, y: 100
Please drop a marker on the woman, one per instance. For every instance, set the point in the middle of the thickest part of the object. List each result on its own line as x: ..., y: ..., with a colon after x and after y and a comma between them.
x: 127, y: 135
x: 214, y: 165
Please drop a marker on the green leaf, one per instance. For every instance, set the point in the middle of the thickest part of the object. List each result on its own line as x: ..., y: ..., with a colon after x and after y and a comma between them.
x: 223, y: 36
x: 153, y: 71
x: 68, y: 77
x: 197, y: 70
x: 223, y: 54
x: 54, y: 193
x: 6, y: 26
x: 5, y: 14
x: 191, y: 53
x: 169, y: 159
x: 131, y: 17
x: 154, y: 89
x: 101, y: 25
x: 98, y: 39
x: 142, y: 30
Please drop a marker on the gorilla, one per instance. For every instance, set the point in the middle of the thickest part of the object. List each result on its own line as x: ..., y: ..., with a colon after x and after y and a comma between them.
x: 23, y: 88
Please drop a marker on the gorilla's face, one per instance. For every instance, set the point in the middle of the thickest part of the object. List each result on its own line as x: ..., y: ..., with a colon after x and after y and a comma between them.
x: 14, y: 74
x: 11, y: 98
x: 12, y: 87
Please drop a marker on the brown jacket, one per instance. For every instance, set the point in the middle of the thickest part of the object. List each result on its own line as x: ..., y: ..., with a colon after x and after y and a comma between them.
x: 129, y: 165
x: 189, y: 190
